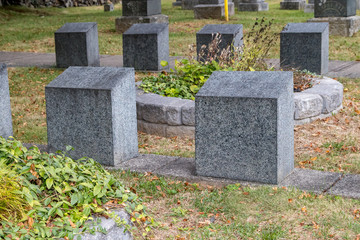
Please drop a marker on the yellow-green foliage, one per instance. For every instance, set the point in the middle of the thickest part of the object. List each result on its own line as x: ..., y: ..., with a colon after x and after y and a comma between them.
x: 12, y: 205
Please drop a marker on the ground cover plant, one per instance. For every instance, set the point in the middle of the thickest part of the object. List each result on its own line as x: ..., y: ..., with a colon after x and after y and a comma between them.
x: 33, y: 29
x: 51, y: 196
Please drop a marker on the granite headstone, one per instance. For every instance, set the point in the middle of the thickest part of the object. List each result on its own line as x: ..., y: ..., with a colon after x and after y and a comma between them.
x: 141, y: 7
x: 245, y: 126
x: 252, y: 5
x: 305, y: 46
x: 292, y: 4
x: 230, y: 35
x: 76, y: 44
x: 93, y: 109
x: 146, y: 45
x: 6, y: 129
x: 334, y: 8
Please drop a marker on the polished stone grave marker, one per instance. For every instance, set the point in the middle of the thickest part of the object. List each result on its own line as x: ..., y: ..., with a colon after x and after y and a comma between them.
x: 212, y: 9
x: 305, y: 46
x: 245, y: 126
x: 292, y: 4
x: 77, y: 44
x: 145, y: 45
x: 230, y: 34
x: 6, y: 129
x: 252, y: 5
x: 93, y: 109
x: 139, y: 11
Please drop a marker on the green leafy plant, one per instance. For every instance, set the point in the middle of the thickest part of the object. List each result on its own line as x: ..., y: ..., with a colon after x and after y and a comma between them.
x: 190, y: 74
x: 62, y: 194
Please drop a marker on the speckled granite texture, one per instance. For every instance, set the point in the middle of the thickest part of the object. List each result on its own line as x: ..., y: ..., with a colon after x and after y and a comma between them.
x: 141, y: 7
x: 5, y: 110
x: 93, y: 109
x: 231, y: 35
x: 334, y: 8
x: 145, y: 45
x: 244, y: 126
x: 305, y: 46
x: 77, y: 44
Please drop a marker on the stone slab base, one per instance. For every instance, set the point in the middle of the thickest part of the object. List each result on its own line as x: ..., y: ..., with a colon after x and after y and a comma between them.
x: 253, y: 7
x: 165, y: 130
x: 212, y: 11
x: 123, y: 23
x: 343, y: 26
x: 309, y: 8
x: 292, y: 5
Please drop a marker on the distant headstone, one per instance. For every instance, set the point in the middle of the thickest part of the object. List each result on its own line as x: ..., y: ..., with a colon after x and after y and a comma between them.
x: 245, y: 126
x: 212, y: 9
x: 108, y: 7
x: 76, y: 44
x: 6, y: 129
x: 189, y: 4
x: 146, y: 45
x: 230, y: 34
x: 309, y: 7
x: 357, y: 4
x: 177, y: 3
x: 305, y: 46
x: 139, y: 11
x: 252, y: 5
x: 292, y: 4
x: 335, y: 8
x: 94, y: 111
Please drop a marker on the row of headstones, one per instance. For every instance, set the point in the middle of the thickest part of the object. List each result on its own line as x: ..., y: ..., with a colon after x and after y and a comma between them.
x: 302, y: 45
x: 244, y: 128
x: 261, y: 5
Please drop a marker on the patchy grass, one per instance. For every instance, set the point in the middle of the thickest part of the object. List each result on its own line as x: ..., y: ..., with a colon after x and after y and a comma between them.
x: 192, y: 211
x: 331, y: 144
x: 32, y: 30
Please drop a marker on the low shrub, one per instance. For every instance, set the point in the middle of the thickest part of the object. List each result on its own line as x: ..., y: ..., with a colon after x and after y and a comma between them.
x: 61, y: 194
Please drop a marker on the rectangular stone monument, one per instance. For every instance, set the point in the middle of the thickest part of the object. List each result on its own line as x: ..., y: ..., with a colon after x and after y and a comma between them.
x: 189, y: 4
x: 305, y: 46
x: 292, y: 4
x: 94, y: 111
x: 139, y: 11
x: 76, y: 44
x: 177, y: 3
x: 141, y: 7
x: 146, y: 45
x: 245, y: 126
x: 252, y: 5
x: 214, y: 9
x: 108, y: 7
x: 334, y: 8
x: 231, y: 35
x: 6, y: 129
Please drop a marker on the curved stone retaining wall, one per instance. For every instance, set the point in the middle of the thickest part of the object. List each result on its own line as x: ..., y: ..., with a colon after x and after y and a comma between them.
x: 169, y: 117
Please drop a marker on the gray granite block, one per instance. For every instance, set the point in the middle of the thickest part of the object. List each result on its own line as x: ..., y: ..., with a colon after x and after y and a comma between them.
x: 125, y: 22
x: 141, y: 7
x: 94, y: 111
x: 177, y: 3
x: 109, y: 7
x: 253, y: 6
x: 213, y: 11
x: 158, y: 129
x: 211, y: 1
x: 348, y: 186
x: 114, y: 232
x: 181, y: 131
x: 335, y: 8
x: 307, y: 105
x: 292, y: 5
x: 244, y: 126
x: 6, y: 129
x: 188, y: 113
x: 145, y: 45
x: 332, y: 93
x: 76, y: 44
x: 343, y: 26
x: 311, y: 180
x: 147, y: 163
x: 173, y: 111
x: 189, y: 4
x: 305, y: 46
x: 231, y: 35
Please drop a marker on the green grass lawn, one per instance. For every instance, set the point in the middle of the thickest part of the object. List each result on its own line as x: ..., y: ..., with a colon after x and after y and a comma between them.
x: 29, y: 30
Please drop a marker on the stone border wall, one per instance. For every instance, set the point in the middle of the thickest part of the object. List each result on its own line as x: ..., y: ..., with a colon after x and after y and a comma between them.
x: 169, y: 116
